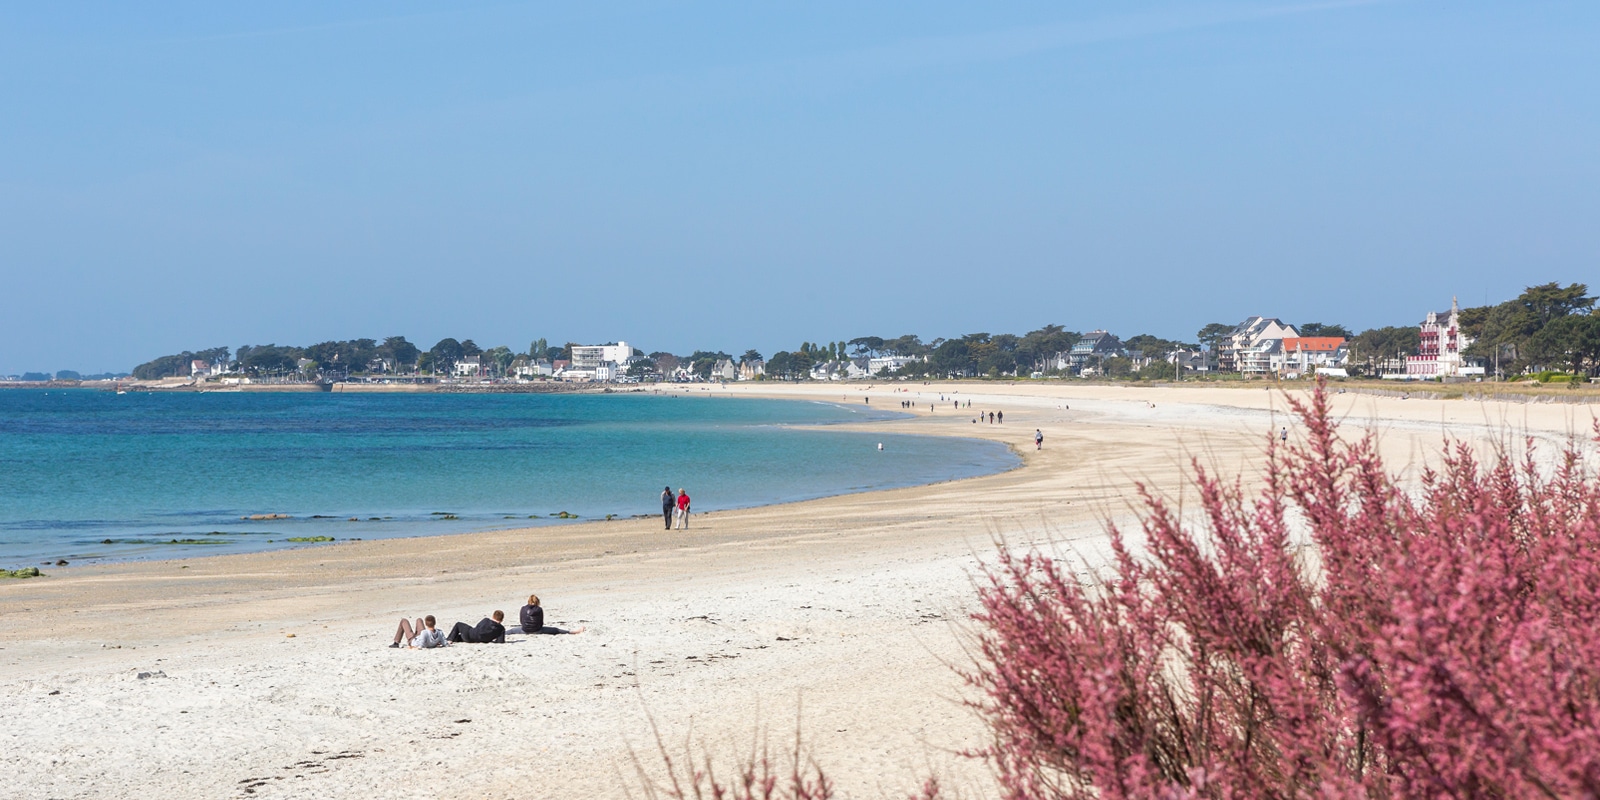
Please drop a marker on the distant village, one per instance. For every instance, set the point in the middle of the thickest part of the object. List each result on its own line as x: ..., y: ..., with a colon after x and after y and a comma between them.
x: 1547, y: 329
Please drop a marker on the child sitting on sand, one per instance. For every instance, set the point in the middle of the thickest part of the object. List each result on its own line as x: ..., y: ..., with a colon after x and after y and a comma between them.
x: 423, y: 635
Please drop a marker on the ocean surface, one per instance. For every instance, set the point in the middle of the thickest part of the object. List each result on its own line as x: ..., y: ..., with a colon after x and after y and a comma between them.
x: 93, y: 475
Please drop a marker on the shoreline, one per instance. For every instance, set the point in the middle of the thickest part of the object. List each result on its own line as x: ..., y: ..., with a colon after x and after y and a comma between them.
x: 844, y: 613
x: 330, y: 523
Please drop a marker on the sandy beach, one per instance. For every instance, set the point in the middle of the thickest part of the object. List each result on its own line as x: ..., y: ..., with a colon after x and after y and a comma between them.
x: 269, y: 675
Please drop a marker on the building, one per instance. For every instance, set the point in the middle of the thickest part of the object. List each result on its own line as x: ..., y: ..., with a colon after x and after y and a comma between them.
x: 877, y: 364
x: 750, y: 369
x: 830, y: 371
x: 591, y: 356
x: 469, y: 366
x: 1439, y: 353
x: 724, y: 370
x: 1307, y: 354
x: 1189, y: 361
x: 1093, y: 349
x: 535, y: 368
x: 1251, y: 347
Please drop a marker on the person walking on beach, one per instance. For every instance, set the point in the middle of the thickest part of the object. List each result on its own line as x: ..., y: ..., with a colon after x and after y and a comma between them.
x: 999, y: 417
x: 683, y: 509
x: 1283, y: 435
x: 486, y: 631
x: 1038, y: 439
x: 668, y: 503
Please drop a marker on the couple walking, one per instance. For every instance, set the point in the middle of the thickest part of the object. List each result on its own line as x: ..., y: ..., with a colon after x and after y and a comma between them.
x: 675, y: 507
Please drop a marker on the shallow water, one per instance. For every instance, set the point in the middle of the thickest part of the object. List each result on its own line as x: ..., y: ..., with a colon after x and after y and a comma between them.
x: 90, y: 474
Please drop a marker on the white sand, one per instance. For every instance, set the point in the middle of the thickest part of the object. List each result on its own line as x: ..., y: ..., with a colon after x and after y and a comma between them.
x: 850, y: 607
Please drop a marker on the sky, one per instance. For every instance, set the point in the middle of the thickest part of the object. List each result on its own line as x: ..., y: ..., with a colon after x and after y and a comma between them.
x: 686, y: 176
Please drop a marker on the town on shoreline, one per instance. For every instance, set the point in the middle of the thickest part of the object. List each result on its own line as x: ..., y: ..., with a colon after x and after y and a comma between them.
x: 1549, y: 335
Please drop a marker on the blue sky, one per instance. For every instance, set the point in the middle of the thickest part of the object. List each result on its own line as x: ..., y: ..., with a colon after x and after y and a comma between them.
x: 726, y: 176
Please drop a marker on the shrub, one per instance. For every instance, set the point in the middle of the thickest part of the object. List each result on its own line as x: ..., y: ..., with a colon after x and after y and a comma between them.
x: 1442, y: 643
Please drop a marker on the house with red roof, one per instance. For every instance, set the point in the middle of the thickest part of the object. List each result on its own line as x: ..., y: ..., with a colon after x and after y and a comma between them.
x: 1307, y: 354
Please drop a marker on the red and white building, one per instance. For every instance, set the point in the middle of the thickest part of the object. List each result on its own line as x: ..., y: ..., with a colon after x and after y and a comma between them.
x: 1307, y: 354
x: 1439, y: 352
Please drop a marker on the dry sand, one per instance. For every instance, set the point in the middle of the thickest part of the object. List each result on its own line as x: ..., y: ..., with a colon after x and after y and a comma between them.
x: 269, y: 675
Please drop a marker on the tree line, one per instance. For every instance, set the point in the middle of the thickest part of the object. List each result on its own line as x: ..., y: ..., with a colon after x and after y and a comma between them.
x: 1547, y: 327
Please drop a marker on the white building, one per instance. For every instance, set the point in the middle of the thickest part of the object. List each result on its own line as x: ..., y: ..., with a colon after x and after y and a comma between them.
x: 749, y: 370
x: 1251, y: 347
x: 830, y: 371
x: 1442, y: 342
x: 724, y: 370
x: 539, y: 368
x: 593, y: 355
x: 1307, y: 354
x: 469, y: 366
x: 877, y: 364
x: 1189, y: 361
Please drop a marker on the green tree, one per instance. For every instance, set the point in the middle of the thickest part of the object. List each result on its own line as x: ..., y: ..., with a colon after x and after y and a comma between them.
x: 750, y: 357
x: 867, y: 345
x: 269, y: 359
x: 1213, y: 333
x: 1374, y: 346
x: 442, y: 357
x: 1512, y: 330
x: 501, y: 357
x: 400, y: 351
x: 1320, y: 329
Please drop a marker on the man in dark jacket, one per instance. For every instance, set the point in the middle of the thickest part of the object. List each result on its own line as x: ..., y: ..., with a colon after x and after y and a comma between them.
x: 487, y: 630
x: 668, y: 503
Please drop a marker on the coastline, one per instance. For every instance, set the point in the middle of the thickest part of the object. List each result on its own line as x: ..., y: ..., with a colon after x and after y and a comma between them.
x: 844, y: 610
x: 768, y: 439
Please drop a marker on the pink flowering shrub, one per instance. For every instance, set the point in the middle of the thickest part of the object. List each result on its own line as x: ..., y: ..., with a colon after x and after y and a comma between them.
x: 1434, y: 644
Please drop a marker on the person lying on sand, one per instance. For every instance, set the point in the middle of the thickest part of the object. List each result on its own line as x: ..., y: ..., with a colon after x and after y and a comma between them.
x: 533, y: 619
x: 422, y: 635
x: 487, y: 630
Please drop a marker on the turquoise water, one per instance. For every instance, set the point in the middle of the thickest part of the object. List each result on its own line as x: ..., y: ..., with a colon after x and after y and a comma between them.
x: 90, y: 475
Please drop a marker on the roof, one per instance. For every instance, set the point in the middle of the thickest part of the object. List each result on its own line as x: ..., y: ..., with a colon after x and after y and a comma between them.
x: 1312, y: 344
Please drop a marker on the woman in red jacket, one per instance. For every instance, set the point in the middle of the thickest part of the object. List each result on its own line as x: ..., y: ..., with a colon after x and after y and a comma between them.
x: 683, y: 509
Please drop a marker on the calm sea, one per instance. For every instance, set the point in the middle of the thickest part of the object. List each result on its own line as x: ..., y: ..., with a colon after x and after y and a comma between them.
x: 94, y: 475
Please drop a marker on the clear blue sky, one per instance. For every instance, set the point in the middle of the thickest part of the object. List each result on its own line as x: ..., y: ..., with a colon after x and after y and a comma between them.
x: 722, y: 176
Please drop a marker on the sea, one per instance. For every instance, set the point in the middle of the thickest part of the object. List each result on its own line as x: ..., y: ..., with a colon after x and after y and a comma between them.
x: 91, y: 475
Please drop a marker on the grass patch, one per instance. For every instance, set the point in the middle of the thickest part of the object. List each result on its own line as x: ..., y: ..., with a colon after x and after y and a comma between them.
x: 309, y: 539
x: 25, y: 572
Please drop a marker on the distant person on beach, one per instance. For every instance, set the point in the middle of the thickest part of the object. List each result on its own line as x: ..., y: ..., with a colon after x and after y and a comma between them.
x: 1038, y: 439
x: 533, y: 619
x: 991, y: 417
x: 422, y: 635
x: 683, y: 509
x: 1283, y: 435
x: 999, y: 417
x: 668, y: 502
x: 485, y: 632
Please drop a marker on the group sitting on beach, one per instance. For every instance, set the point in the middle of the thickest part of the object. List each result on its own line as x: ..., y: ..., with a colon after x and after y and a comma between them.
x: 423, y: 634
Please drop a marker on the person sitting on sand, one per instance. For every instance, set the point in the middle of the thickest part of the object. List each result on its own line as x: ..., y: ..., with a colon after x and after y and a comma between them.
x: 533, y: 619
x: 422, y: 635
x: 487, y: 630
